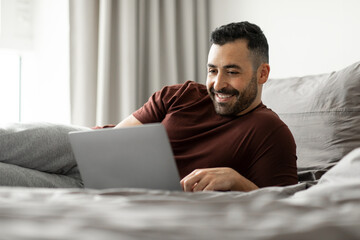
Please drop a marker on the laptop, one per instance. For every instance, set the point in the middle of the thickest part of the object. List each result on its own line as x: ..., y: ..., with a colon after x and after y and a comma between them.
x: 132, y: 157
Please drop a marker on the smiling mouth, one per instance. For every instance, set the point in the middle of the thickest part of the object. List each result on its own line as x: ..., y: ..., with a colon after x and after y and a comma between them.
x: 223, y: 98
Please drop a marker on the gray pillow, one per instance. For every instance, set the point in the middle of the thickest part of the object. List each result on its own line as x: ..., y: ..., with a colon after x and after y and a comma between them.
x: 347, y: 170
x: 323, y: 113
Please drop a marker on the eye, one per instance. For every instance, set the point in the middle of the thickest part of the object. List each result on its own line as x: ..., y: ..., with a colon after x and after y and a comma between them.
x: 233, y: 72
x: 212, y: 71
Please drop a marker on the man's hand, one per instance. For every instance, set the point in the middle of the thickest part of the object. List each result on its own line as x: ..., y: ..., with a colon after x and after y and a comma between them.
x: 216, y: 179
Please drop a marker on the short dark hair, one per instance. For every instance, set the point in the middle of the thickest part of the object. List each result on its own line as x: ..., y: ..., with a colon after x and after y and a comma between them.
x: 257, y: 43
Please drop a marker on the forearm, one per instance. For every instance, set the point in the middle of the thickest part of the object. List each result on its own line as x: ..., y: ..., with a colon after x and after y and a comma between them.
x: 128, y: 122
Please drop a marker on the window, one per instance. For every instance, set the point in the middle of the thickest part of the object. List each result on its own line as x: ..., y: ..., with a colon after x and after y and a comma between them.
x: 34, y: 49
x: 10, y: 87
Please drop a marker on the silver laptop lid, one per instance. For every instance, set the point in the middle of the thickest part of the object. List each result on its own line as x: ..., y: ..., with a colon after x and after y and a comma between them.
x: 133, y: 157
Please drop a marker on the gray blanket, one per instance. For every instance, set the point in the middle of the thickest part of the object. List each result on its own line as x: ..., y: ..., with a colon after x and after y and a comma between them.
x: 329, y: 210
x: 37, y: 155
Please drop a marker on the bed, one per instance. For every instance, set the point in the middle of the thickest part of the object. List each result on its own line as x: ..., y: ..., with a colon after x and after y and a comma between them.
x: 42, y: 196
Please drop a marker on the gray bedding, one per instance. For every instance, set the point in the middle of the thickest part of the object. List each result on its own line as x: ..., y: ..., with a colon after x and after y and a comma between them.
x: 329, y: 210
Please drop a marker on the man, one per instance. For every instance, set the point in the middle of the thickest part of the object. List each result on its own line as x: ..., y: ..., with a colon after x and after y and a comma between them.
x: 223, y: 137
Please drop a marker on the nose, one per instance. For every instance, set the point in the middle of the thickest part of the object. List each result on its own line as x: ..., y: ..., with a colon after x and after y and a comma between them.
x: 220, y: 82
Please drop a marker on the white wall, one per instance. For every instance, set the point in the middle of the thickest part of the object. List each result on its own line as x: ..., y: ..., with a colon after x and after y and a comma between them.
x: 305, y: 36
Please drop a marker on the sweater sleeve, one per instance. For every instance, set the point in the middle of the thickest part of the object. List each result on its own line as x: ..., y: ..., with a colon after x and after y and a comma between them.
x: 156, y: 108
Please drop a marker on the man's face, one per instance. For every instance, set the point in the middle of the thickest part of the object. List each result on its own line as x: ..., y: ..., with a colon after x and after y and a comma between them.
x: 231, y: 80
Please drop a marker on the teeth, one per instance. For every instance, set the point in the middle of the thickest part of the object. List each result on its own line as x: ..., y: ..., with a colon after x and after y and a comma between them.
x: 223, y: 95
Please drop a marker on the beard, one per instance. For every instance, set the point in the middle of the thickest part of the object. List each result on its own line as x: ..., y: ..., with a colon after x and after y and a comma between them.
x: 243, y: 99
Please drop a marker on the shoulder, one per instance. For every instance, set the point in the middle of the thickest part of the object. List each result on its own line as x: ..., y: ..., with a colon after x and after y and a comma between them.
x: 188, y: 91
x: 265, y: 116
x: 266, y: 121
x: 188, y: 86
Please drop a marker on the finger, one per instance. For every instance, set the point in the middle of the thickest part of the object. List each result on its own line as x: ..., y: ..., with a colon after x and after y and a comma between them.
x: 187, y: 177
x: 221, y: 185
x: 209, y: 187
x: 188, y: 182
x: 201, y: 184
x: 187, y: 186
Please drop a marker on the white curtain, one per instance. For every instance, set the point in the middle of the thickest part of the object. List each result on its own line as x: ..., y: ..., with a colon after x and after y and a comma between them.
x: 121, y: 51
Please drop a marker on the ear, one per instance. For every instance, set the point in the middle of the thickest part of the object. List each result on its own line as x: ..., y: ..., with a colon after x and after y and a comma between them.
x: 263, y: 73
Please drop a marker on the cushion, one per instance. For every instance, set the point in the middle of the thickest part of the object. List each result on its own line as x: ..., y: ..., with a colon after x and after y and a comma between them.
x: 323, y: 113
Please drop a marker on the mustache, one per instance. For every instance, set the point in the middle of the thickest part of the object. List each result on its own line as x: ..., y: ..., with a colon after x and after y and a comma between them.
x: 230, y: 91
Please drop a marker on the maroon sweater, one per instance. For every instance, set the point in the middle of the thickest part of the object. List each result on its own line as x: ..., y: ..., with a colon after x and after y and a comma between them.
x: 258, y: 144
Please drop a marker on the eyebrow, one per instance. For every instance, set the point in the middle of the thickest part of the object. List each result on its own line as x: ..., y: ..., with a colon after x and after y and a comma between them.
x: 232, y: 66
x: 226, y: 66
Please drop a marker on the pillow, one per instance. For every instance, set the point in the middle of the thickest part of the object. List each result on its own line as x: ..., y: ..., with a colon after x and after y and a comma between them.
x: 323, y: 113
x: 347, y: 170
